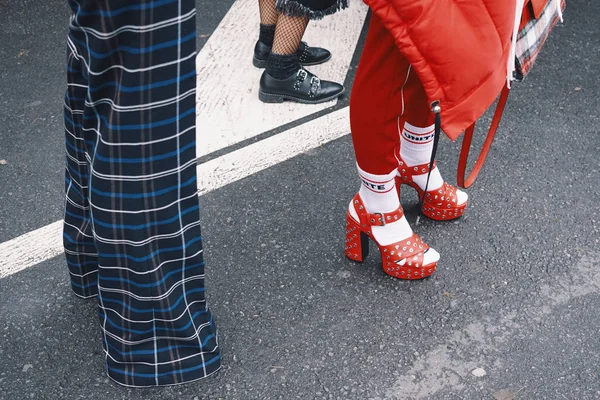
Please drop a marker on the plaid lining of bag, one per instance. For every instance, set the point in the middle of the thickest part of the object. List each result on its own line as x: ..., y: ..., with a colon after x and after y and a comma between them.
x: 532, y: 37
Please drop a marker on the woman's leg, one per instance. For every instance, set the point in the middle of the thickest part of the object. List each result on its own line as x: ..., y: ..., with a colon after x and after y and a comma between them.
x: 384, y: 89
x: 268, y: 22
x: 288, y: 34
x: 269, y: 16
x: 283, y: 61
x: 392, y: 124
x: 268, y: 12
x: 416, y: 130
x: 284, y: 77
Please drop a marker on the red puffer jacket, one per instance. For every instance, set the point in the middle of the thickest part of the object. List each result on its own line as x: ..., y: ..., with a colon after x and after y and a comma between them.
x: 459, y: 49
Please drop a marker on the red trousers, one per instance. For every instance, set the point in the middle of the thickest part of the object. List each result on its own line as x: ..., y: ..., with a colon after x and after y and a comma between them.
x: 385, y: 95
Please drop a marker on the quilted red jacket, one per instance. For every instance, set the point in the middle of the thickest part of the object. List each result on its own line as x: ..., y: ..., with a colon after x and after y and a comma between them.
x: 458, y: 48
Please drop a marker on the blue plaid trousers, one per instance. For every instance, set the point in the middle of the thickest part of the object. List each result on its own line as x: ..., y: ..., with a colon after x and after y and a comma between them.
x: 131, y: 225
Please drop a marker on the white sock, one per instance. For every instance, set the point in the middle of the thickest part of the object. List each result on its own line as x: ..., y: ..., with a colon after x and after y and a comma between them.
x: 416, y: 145
x: 378, y: 193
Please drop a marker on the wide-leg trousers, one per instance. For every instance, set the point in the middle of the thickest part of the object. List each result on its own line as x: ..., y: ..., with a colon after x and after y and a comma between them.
x: 386, y: 94
x: 131, y: 225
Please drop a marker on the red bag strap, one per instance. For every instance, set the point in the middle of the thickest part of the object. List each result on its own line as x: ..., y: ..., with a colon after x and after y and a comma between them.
x: 462, y: 179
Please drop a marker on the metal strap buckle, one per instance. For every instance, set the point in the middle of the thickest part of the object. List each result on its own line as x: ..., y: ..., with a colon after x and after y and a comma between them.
x: 315, y: 83
x: 302, y: 74
x: 300, y: 78
x: 381, y: 219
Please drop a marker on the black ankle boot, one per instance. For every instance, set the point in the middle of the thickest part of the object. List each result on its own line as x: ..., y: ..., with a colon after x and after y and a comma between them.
x: 306, y: 54
x: 301, y: 87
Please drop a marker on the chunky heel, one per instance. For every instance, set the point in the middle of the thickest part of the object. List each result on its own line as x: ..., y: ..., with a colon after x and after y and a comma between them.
x: 357, y: 242
x: 270, y: 98
x: 404, y: 259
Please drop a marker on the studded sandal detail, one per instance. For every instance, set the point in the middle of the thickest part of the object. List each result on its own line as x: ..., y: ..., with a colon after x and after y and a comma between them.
x: 402, y: 260
x: 440, y: 204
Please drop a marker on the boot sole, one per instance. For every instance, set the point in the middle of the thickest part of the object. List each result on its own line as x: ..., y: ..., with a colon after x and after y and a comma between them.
x: 258, y: 63
x: 280, y: 98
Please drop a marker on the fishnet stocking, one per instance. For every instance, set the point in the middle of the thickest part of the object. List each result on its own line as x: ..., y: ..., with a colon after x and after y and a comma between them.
x: 288, y: 34
x: 268, y: 12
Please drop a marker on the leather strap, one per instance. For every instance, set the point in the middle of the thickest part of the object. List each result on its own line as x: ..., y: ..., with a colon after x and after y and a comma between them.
x: 375, y: 219
x: 408, y: 172
x: 462, y: 179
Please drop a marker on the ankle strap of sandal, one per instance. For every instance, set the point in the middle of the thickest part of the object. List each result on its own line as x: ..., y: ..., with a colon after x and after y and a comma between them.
x: 375, y: 219
x: 415, y: 169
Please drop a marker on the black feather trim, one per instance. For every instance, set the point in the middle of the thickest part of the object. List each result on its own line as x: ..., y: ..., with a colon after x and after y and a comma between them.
x: 295, y: 8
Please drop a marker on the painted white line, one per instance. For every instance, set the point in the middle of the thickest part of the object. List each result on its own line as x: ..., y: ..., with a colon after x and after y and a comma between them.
x: 30, y: 249
x: 266, y: 153
x: 42, y: 244
x: 227, y: 101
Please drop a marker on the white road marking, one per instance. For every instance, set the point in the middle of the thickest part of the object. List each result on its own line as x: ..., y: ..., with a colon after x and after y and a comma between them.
x: 30, y: 249
x: 266, y: 153
x: 228, y: 111
x: 227, y: 101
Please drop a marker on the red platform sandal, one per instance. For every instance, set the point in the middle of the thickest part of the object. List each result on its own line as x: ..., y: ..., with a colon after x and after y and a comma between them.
x: 402, y: 260
x: 440, y: 204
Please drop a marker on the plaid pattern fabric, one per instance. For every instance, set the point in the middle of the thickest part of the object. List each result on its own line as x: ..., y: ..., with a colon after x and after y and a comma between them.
x: 131, y: 226
x: 532, y: 37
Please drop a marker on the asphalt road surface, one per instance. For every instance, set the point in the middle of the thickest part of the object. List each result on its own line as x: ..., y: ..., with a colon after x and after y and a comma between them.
x: 511, y: 313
